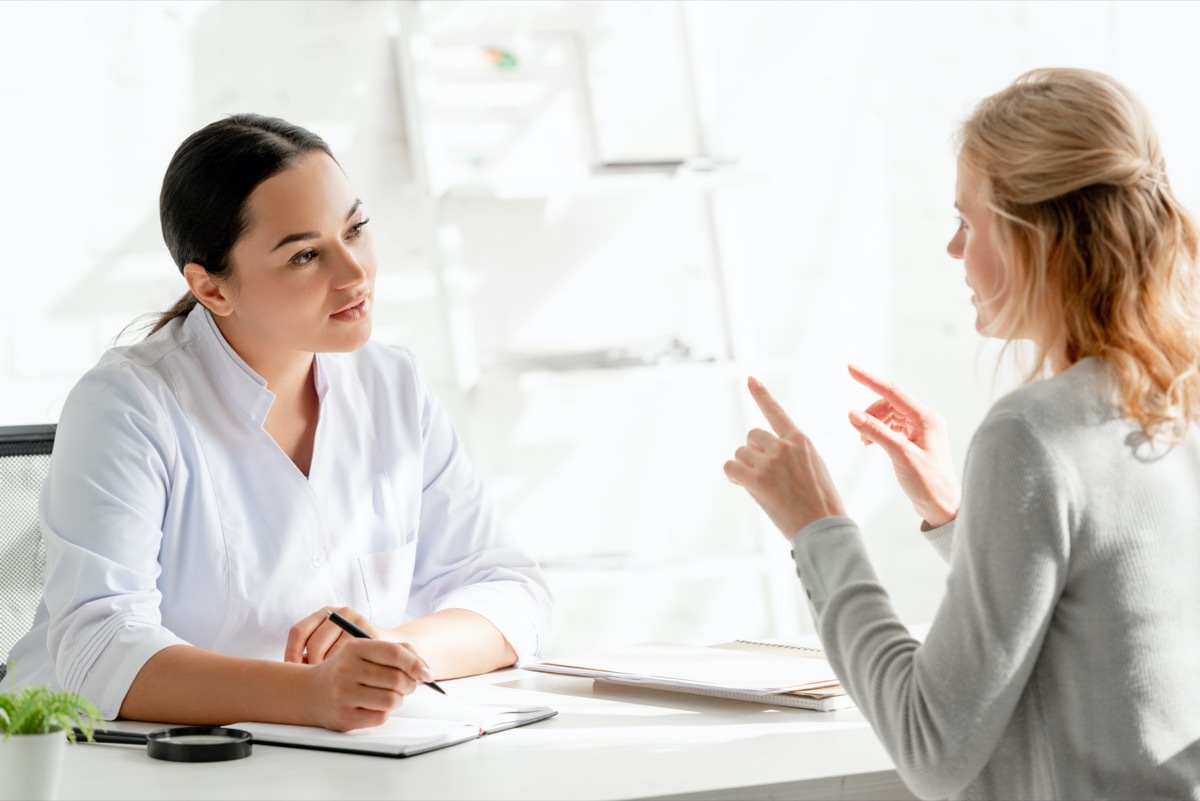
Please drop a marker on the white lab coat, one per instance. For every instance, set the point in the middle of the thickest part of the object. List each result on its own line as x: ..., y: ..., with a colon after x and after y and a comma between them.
x: 170, y: 516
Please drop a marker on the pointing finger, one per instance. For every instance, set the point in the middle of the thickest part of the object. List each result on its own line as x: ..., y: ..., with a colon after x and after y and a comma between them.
x: 771, y: 409
x: 890, y: 392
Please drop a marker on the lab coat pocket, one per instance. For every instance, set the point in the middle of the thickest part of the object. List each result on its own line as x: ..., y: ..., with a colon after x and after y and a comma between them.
x: 388, y: 577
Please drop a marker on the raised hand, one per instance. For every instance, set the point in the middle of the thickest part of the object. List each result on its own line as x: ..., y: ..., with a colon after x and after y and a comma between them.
x: 783, y: 472
x: 914, y: 437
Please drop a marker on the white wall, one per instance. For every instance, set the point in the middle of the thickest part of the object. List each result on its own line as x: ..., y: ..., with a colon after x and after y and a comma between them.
x: 840, y: 115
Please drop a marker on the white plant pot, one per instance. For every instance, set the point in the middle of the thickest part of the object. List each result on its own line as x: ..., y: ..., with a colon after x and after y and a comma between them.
x: 30, y: 765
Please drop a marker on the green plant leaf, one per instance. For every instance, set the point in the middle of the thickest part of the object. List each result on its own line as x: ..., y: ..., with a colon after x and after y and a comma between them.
x: 41, y: 710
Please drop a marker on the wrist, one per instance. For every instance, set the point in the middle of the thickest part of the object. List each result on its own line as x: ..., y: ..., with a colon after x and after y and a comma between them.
x: 295, y: 688
x: 937, y: 518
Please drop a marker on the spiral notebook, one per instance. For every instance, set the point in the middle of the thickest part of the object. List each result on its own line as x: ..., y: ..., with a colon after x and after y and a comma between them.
x: 764, y: 673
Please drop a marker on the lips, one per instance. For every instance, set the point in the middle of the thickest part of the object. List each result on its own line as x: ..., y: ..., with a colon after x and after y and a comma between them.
x: 359, y: 301
x: 355, y: 311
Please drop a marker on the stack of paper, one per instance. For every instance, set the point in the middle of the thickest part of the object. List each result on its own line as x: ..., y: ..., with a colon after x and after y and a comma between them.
x: 763, y: 673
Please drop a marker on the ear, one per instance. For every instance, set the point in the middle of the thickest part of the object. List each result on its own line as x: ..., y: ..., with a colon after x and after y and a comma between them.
x: 208, y: 289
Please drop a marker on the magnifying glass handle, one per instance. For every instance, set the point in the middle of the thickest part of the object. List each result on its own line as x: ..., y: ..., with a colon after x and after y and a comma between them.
x: 112, y: 737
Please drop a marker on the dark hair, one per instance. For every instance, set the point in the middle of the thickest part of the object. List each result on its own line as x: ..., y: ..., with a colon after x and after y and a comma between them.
x: 202, y: 206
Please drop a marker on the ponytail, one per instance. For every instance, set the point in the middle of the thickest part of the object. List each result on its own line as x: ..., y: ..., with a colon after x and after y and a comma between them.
x: 181, y: 309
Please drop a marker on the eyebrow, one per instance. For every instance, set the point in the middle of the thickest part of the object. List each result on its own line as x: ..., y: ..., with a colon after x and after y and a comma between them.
x: 313, y: 234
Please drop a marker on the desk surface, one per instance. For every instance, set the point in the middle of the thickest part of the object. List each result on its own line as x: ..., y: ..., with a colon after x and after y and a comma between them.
x: 607, y: 742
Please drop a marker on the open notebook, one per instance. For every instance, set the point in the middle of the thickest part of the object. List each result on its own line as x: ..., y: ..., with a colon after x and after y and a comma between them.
x: 764, y: 673
x: 425, y: 722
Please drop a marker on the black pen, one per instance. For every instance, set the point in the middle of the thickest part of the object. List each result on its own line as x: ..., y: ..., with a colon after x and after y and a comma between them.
x: 355, y: 631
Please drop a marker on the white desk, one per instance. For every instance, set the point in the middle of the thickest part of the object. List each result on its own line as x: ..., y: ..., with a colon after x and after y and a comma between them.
x: 605, y: 743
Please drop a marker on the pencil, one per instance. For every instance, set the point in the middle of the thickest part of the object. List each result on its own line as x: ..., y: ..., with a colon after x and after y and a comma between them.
x: 355, y: 631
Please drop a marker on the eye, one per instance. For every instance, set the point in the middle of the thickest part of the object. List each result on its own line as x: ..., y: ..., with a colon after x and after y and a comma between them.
x: 303, y: 257
x: 357, y: 228
x: 962, y: 224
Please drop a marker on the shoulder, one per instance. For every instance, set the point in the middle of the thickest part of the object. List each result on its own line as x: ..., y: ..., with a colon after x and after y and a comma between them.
x: 1054, y: 427
x: 130, y: 383
x: 1082, y: 397
x: 132, y: 371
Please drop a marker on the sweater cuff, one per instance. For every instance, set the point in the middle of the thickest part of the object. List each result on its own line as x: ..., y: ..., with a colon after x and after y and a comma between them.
x: 941, y: 538
x: 829, y: 554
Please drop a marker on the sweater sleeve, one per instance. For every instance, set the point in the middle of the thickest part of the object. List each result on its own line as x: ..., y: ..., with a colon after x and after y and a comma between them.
x: 941, y: 707
x: 941, y: 538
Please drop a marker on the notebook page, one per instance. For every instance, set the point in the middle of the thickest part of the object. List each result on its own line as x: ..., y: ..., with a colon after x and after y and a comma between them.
x: 485, y: 717
x: 395, y: 737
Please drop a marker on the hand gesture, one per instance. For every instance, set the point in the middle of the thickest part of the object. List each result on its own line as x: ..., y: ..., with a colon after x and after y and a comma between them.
x: 914, y: 438
x: 783, y: 472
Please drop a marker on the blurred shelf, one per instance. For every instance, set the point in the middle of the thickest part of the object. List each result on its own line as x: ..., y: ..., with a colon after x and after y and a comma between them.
x: 604, y: 568
x: 610, y: 178
x: 651, y: 353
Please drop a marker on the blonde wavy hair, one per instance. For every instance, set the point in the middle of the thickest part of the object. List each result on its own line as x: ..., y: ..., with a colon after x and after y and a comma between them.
x: 1099, y: 256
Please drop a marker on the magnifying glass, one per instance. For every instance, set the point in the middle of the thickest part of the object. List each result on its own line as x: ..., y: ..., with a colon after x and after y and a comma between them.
x: 183, y: 743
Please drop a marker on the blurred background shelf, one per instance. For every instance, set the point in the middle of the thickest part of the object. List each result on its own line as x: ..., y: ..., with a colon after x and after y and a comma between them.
x: 559, y: 174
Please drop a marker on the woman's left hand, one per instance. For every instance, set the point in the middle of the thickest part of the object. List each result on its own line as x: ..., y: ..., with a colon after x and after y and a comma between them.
x: 316, y: 637
x: 783, y: 472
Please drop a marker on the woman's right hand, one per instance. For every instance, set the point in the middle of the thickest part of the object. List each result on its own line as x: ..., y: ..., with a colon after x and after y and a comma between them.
x: 915, y: 439
x: 360, y: 683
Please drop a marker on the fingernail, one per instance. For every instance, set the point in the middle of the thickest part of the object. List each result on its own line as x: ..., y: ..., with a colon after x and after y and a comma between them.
x: 857, y: 418
x: 426, y: 675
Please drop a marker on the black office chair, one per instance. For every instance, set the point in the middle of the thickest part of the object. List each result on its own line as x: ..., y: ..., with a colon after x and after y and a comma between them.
x: 24, y: 461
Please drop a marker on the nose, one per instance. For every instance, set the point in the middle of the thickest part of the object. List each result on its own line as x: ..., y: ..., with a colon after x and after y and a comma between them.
x: 955, y: 246
x: 352, y: 269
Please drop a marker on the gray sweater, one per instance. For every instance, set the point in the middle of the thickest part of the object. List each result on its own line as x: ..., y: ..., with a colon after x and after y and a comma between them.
x: 1064, y: 660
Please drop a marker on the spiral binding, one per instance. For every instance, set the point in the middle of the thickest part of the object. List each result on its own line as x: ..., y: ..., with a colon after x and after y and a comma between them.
x: 813, y: 651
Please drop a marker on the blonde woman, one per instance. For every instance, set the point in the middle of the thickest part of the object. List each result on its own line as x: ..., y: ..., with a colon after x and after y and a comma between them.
x: 1064, y: 661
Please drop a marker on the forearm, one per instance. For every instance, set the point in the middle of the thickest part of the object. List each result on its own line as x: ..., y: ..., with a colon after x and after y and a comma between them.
x: 456, y: 642
x: 184, y: 684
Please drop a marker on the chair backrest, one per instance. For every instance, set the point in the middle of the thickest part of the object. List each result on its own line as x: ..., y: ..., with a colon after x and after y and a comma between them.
x: 24, y: 461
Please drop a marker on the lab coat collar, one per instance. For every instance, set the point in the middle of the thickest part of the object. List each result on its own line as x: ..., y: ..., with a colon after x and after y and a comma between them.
x: 245, y: 387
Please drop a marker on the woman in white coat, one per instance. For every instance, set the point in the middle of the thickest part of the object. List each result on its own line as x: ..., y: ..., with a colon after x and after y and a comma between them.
x: 257, y: 461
